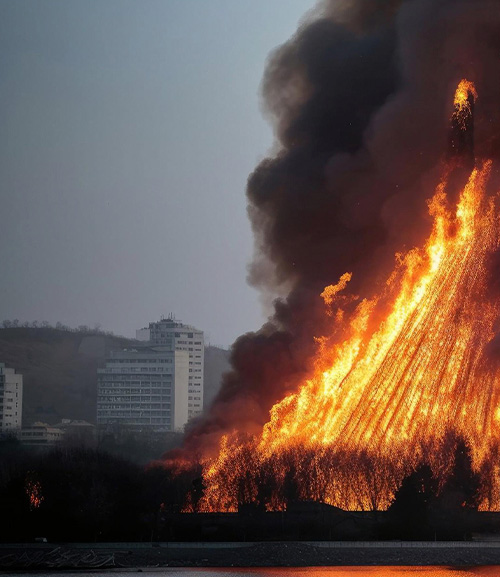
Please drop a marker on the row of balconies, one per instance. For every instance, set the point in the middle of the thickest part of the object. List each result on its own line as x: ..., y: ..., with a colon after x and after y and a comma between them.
x: 167, y: 370
x: 138, y: 392
x: 135, y: 402
x: 133, y: 412
x: 138, y: 421
x: 135, y: 406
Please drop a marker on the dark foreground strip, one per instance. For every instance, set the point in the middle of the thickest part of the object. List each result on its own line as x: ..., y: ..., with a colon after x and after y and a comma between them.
x: 290, y: 554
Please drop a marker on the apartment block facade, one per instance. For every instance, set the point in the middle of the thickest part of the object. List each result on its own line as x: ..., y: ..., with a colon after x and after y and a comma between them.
x: 146, y: 387
x: 176, y: 336
x: 11, y: 399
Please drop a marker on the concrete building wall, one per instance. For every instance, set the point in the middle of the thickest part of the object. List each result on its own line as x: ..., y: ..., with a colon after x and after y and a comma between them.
x: 181, y: 385
x: 137, y: 387
x: 177, y: 336
x: 11, y: 399
x: 40, y: 434
x: 142, y: 334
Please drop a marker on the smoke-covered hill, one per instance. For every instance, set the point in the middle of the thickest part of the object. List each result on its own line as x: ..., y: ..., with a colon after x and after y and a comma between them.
x: 59, y: 369
x: 216, y: 364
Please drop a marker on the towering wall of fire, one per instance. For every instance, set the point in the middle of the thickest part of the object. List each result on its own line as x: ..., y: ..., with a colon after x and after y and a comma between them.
x: 341, y: 397
x: 387, y: 395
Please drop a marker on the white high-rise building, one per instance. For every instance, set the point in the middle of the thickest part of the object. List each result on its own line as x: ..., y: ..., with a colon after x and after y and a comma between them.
x: 145, y: 387
x: 11, y: 399
x: 176, y: 336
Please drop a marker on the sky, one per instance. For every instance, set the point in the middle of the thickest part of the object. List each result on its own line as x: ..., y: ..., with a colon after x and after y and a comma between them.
x: 129, y: 129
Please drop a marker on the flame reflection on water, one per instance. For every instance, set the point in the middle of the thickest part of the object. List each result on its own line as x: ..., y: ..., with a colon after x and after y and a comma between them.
x: 486, y: 571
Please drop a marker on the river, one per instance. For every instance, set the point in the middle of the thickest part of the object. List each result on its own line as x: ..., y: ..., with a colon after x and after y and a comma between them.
x: 490, y: 571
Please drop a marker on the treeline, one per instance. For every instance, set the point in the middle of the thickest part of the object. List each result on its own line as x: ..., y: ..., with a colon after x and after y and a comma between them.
x: 77, y: 494
x: 81, y: 494
x: 85, y: 329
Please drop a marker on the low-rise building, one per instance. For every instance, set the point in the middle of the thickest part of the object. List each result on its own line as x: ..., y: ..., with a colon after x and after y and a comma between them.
x: 78, y: 433
x: 40, y: 434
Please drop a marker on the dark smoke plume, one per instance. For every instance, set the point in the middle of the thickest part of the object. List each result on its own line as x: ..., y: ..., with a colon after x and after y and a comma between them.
x: 360, y: 99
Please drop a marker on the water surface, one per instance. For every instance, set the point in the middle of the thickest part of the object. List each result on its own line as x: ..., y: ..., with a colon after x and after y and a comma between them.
x: 491, y: 571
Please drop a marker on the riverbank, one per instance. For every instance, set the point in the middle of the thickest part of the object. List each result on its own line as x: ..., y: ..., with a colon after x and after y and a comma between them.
x: 279, y: 554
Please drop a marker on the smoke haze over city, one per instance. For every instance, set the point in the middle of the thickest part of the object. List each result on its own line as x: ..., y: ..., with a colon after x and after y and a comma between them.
x: 129, y: 133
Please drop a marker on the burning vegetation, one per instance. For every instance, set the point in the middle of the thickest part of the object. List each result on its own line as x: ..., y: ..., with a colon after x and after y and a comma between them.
x: 403, y: 371
x: 384, y: 398
x: 353, y: 387
x: 33, y: 490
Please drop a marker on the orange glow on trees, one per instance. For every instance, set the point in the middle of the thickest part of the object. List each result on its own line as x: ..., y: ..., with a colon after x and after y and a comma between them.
x: 409, y: 371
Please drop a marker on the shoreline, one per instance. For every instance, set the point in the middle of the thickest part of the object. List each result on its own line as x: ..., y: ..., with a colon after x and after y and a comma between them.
x: 105, y: 556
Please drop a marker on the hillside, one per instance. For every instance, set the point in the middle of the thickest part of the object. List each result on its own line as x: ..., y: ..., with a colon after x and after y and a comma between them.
x: 59, y: 370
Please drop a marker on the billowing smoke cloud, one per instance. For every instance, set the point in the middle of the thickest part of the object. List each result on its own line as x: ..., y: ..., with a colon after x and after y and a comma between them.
x: 360, y: 99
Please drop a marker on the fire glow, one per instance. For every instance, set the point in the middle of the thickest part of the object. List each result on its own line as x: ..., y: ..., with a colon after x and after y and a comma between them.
x: 33, y: 491
x: 400, y: 373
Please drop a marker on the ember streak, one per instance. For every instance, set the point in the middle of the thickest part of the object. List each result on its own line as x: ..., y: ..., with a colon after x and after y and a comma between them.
x: 391, y: 391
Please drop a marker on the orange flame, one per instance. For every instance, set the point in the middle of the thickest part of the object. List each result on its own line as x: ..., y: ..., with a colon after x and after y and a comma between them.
x: 383, y: 399
x: 328, y: 295
x: 466, y: 91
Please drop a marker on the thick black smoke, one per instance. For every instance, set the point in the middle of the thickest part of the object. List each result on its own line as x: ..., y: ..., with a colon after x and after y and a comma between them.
x: 360, y: 99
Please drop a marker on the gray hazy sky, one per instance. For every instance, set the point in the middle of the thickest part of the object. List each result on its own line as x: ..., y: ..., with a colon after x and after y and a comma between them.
x: 128, y: 131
